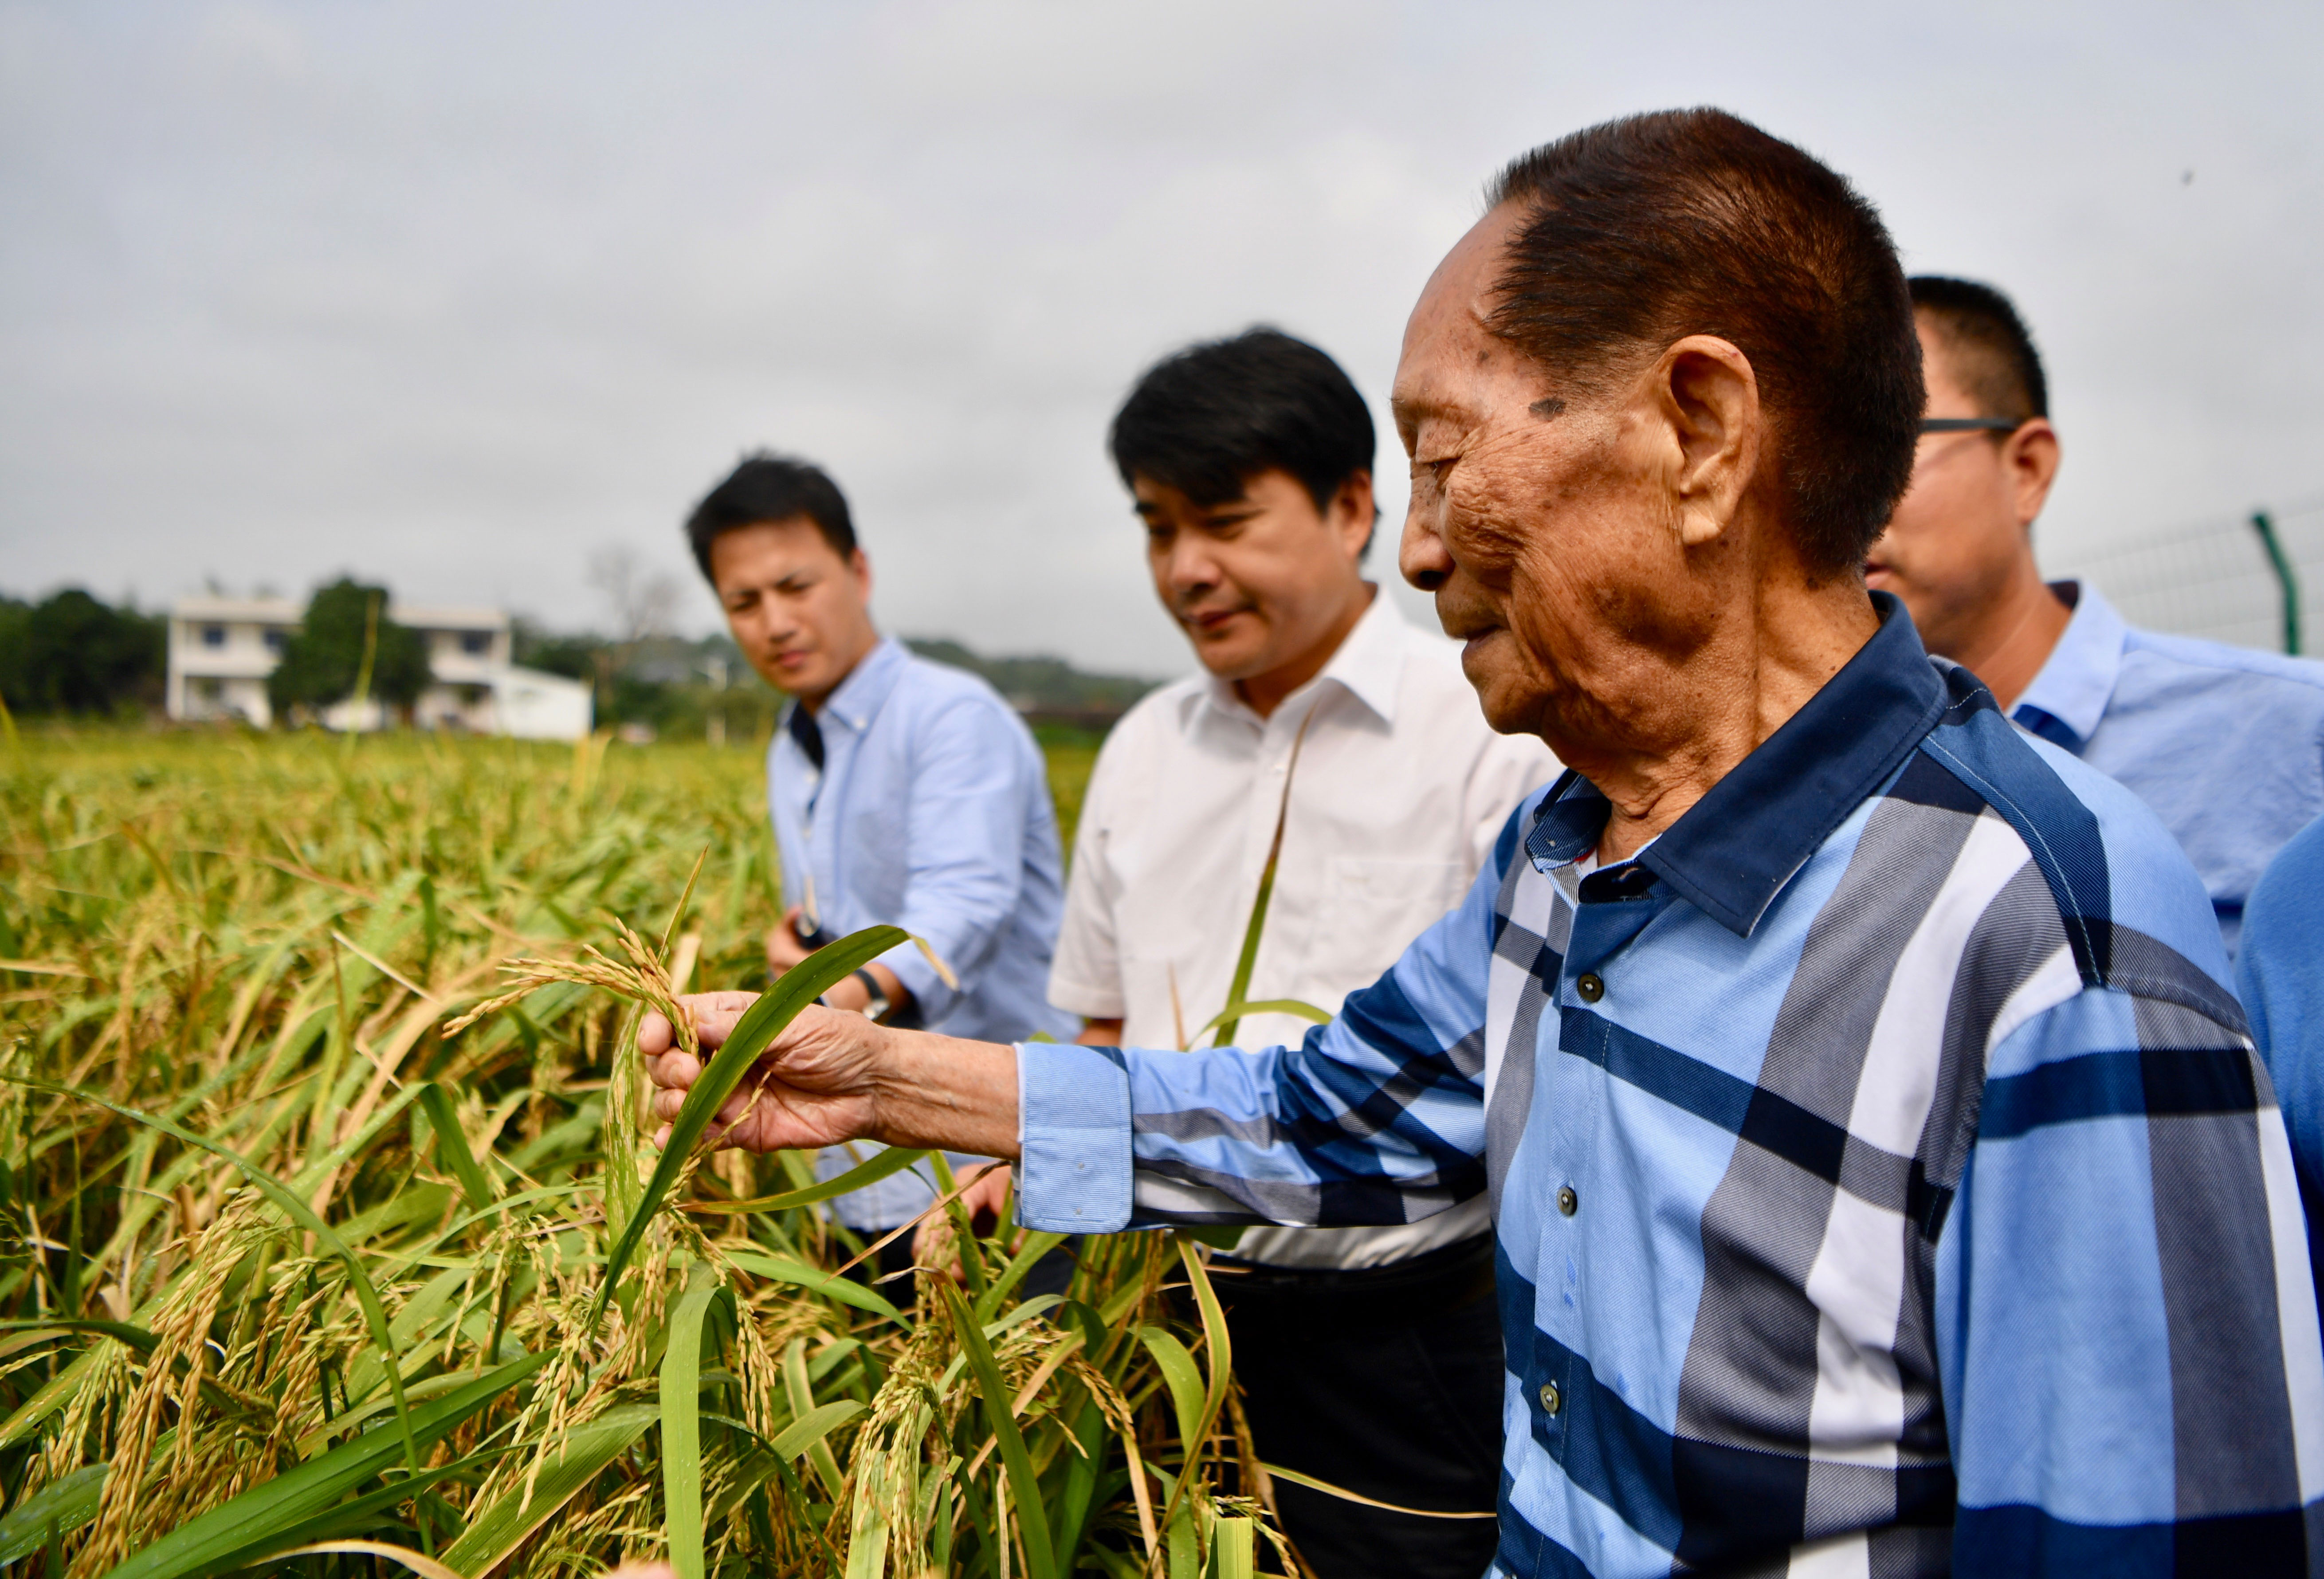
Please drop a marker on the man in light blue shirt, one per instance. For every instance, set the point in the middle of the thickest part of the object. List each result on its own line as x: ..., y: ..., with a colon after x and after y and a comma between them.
x: 903, y: 792
x: 2226, y: 744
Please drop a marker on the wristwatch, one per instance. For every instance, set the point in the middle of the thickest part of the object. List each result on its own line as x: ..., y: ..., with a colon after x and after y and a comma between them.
x: 878, y: 1004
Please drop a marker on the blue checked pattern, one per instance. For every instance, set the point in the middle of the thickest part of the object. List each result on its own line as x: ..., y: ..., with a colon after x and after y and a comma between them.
x: 1883, y: 1177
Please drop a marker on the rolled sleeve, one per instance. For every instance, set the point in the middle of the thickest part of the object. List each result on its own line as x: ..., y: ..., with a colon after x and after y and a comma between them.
x: 1075, y: 1174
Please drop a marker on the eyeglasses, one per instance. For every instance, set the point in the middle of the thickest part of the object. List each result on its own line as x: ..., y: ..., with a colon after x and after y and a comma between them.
x: 1970, y: 425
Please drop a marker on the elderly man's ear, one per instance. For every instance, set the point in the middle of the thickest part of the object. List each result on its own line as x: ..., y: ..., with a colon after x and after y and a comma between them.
x: 1707, y: 420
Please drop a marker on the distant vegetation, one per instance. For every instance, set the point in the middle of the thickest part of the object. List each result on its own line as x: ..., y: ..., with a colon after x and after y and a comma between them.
x: 348, y: 642
x: 72, y: 653
x: 1043, y: 686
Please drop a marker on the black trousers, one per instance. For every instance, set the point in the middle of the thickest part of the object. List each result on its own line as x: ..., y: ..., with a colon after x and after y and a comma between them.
x: 1385, y: 1382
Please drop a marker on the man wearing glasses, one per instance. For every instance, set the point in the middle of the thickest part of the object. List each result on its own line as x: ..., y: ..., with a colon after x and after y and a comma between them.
x: 2226, y: 744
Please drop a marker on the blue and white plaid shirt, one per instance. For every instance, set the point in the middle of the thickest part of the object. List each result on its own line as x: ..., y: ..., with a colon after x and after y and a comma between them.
x: 1884, y: 1180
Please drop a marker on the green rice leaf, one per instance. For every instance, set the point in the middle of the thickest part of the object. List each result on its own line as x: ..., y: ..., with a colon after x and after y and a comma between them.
x: 136, y: 1337
x: 452, y: 1145
x: 1215, y: 1338
x: 1181, y: 1377
x: 890, y: 1160
x: 1231, y: 1553
x: 494, y: 1532
x: 812, y: 1427
x: 681, y: 1429
x: 1292, y: 1006
x: 762, y: 1023
x: 1035, y: 1247
x: 830, y: 1285
x: 993, y: 1392
x: 66, y: 1504
x: 801, y: 1393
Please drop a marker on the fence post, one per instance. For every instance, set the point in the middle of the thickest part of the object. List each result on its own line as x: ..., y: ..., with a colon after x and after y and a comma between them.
x: 2286, y: 577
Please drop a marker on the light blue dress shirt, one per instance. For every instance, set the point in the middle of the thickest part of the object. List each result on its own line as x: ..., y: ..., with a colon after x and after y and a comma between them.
x: 2226, y: 744
x: 2279, y: 976
x: 931, y: 813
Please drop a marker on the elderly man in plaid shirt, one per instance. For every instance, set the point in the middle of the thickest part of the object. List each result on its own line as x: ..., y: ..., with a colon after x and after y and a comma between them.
x: 1882, y: 1179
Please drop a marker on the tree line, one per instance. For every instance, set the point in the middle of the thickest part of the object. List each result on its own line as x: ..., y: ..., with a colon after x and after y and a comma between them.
x: 71, y: 653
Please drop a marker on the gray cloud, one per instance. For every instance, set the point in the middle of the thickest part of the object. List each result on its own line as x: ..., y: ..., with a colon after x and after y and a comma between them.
x: 455, y: 295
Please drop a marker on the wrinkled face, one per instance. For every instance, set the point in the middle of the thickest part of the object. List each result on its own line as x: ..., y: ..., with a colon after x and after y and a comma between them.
x: 798, y: 611
x: 1960, y: 531
x: 1538, y: 519
x: 1256, y: 582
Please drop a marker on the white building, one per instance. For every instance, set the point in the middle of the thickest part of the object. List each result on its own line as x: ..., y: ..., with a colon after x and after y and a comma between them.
x: 222, y: 648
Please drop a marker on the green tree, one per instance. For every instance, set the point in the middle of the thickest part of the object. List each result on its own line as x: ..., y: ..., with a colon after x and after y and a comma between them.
x: 324, y: 658
x: 70, y: 653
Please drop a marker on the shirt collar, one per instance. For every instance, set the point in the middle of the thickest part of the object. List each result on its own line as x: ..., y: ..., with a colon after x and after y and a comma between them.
x: 2077, y: 682
x: 1369, y: 666
x: 1731, y: 851
x: 856, y: 700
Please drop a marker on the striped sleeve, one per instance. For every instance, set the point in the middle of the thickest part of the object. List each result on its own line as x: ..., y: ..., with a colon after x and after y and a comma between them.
x: 2128, y: 1332
x: 1376, y: 1117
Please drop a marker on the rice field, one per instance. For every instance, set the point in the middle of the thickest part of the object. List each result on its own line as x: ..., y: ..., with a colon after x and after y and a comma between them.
x: 315, y: 1260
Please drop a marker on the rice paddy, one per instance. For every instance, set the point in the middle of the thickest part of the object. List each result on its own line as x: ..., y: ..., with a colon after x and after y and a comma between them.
x: 308, y: 1266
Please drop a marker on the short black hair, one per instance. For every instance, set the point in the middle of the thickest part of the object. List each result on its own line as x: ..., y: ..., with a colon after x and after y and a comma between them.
x: 1208, y: 418
x: 1637, y: 233
x: 767, y: 488
x: 1992, y: 352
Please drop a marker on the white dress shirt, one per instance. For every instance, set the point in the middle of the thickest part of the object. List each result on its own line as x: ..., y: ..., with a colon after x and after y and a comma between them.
x: 1400, y: 789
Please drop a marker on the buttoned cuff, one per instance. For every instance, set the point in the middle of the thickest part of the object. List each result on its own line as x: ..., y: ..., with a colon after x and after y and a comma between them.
x: 1073, y: 1117
x: 919, y: 978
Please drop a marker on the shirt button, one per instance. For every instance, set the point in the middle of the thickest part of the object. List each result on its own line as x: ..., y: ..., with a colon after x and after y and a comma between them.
x: 1567, y: 1201
x: 1549, y: 1399
x: 1590, y: 986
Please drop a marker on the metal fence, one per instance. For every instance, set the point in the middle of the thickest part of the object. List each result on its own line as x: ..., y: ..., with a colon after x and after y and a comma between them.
x: 2220, y: 579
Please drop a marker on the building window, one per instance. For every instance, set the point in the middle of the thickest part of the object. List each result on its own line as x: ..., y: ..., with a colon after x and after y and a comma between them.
x: 275, y: 641
x: 475, y: 644
x: 213, y: 635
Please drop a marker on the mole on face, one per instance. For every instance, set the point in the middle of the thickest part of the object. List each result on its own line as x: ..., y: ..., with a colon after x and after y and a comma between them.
x: 1547, y: 408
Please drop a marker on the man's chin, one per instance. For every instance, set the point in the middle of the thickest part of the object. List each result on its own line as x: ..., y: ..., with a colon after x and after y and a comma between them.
x: 1228, y: 659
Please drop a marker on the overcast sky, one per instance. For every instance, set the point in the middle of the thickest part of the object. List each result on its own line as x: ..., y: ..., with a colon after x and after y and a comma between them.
x: 455, y: 295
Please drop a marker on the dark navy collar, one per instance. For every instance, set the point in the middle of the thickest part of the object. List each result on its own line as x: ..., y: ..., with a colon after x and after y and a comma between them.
x: 1731, y: 851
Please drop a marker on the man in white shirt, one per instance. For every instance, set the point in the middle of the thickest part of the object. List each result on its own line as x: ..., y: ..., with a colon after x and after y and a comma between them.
x: 1370, y: 1357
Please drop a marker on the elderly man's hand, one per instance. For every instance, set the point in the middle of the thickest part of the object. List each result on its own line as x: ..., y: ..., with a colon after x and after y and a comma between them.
x: 813, y: 1087
x: 834, y: 1076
